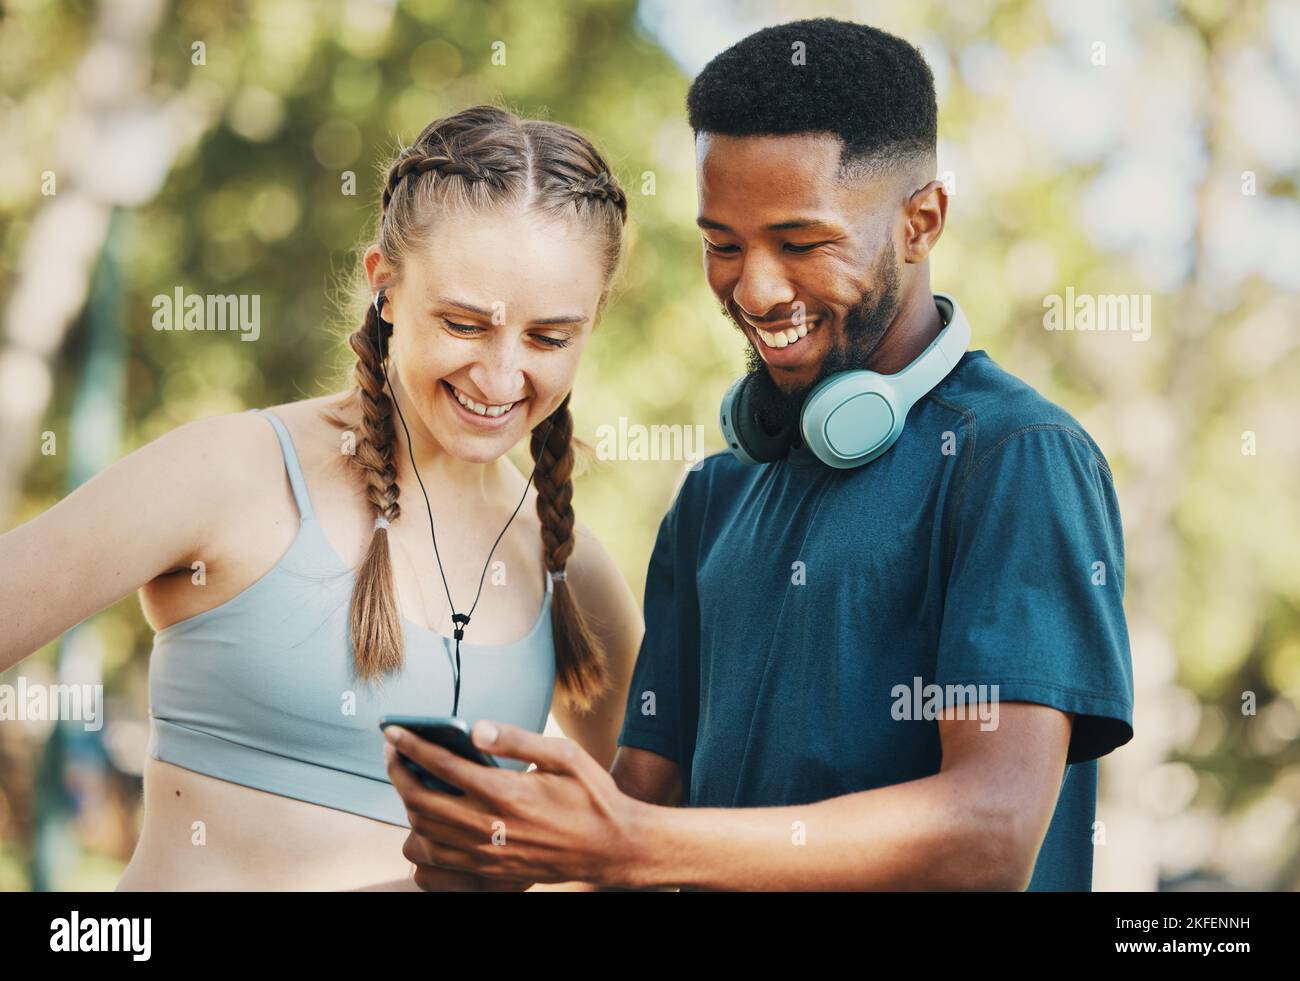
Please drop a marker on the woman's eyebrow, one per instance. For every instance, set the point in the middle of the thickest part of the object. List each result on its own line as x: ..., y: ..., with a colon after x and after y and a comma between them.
x: 564, y: 318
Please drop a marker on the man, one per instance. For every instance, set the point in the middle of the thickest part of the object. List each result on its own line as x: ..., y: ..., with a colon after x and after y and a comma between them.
x: 898, y: 675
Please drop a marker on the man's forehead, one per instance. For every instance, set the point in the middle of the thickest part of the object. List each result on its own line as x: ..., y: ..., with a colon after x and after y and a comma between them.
x: 778, y: 178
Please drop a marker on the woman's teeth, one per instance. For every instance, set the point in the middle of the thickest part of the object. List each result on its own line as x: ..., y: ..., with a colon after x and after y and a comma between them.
x: 492, y: 411
x: 784, y: 338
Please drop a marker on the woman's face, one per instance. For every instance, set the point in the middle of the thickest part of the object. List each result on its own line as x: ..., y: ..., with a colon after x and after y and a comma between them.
x: 489, y: 322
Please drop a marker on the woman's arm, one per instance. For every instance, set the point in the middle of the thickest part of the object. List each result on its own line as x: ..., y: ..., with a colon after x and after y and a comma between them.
x: 150, y: 513
x: 603, y: 595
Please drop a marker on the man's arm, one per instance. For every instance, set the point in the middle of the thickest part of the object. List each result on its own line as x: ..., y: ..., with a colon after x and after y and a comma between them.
x: 977, y: 824
x: 647, y: 776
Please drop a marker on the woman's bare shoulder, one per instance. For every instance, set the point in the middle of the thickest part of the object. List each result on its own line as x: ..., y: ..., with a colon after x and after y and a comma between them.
x: 327, y: 411
x: 324, y: 418
x: 245, y: 459
x: 322, y: 429
x: 238, y: 454
x: 221, y: 447
x: 235, y: 457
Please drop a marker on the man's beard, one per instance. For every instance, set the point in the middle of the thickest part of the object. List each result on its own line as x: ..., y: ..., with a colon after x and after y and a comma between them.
x: 864, y: 328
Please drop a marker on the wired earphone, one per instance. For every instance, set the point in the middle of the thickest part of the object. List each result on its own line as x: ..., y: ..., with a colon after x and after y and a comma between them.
x: 852, y: 417
x: 459, y: 620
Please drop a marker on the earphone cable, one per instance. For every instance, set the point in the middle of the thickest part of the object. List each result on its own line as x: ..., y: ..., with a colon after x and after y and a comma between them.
x: 459, y: 620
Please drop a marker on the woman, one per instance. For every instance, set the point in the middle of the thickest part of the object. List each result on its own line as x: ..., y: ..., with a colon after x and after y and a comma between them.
x: 274, y: 660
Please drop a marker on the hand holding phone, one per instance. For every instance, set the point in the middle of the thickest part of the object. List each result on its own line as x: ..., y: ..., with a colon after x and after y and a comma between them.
x: 450, y: 732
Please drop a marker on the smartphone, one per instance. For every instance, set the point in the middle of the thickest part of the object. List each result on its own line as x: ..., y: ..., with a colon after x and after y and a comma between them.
x: 450, y: 732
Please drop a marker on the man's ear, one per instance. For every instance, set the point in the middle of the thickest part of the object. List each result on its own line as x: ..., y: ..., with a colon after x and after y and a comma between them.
x: 926, y: 211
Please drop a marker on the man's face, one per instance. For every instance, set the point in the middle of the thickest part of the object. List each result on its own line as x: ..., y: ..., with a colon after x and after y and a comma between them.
x: 803, y: 263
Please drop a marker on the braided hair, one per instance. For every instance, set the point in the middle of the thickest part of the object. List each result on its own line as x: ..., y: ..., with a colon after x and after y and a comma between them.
x: 478, y: 158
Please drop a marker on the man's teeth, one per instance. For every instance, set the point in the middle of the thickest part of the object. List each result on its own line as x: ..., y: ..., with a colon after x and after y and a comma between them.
x: 479, y: 408
x: 784, y: 338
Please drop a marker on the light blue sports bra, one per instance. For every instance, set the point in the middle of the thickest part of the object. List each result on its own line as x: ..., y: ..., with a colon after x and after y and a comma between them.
x: 260, y: 690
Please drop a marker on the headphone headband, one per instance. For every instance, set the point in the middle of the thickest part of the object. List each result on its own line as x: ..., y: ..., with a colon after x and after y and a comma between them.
x: 940, y: 355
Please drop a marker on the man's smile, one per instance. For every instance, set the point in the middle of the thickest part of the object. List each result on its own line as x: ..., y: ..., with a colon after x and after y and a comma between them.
x: 783, y: 335
x: 783, y: 344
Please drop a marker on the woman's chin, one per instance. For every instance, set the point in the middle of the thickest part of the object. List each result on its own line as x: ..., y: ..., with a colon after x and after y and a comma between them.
x: 480, y: 450
x: 471, y: 445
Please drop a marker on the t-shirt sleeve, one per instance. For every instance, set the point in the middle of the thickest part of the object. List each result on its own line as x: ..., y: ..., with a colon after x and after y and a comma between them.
x: 1035, y: 598
x: 654, y: 717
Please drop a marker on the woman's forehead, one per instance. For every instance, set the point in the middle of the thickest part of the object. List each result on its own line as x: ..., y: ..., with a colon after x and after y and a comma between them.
x: 516, y: 257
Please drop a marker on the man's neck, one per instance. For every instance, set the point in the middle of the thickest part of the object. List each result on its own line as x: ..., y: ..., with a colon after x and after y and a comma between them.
x: 916, y: 324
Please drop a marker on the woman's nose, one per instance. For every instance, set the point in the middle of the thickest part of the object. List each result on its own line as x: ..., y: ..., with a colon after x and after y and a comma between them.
x: 499, y: 374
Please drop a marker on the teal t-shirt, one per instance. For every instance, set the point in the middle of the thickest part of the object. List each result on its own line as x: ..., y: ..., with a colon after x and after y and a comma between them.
x: 798, y: 617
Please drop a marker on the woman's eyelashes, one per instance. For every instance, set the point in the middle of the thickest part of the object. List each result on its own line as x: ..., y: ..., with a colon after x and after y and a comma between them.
x: 471, y: 330
x: 465, y: 330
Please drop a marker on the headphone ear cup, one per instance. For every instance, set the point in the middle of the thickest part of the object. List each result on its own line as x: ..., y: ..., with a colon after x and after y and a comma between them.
x: 851, y: 418
x: 745, y: 435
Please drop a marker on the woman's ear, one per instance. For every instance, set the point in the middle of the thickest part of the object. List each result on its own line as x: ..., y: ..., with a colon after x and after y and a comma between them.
x: 378, y: 271
x: 369, y: 260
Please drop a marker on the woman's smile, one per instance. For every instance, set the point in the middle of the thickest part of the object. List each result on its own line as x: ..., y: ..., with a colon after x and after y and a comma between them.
x: 478, y: 414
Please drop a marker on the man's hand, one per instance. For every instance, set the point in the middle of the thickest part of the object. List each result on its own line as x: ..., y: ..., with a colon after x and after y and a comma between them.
x: 433, y: 878
x: 564, y: 821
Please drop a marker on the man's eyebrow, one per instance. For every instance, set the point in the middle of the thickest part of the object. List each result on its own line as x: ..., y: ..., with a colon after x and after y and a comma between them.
x: 780, y: 226
x: 563, y: 318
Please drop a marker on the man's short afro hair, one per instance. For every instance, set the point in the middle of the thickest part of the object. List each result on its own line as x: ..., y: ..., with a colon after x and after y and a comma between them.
x: 871, y: 89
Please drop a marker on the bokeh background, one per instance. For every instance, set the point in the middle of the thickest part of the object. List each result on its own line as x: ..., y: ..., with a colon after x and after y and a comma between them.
x: 1145, y: 148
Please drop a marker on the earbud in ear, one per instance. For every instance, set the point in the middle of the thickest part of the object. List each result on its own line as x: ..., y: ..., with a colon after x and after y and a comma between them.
x: 380, y: 296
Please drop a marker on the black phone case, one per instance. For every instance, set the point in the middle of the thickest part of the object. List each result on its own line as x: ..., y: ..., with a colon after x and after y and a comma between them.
x: 449, y: 735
